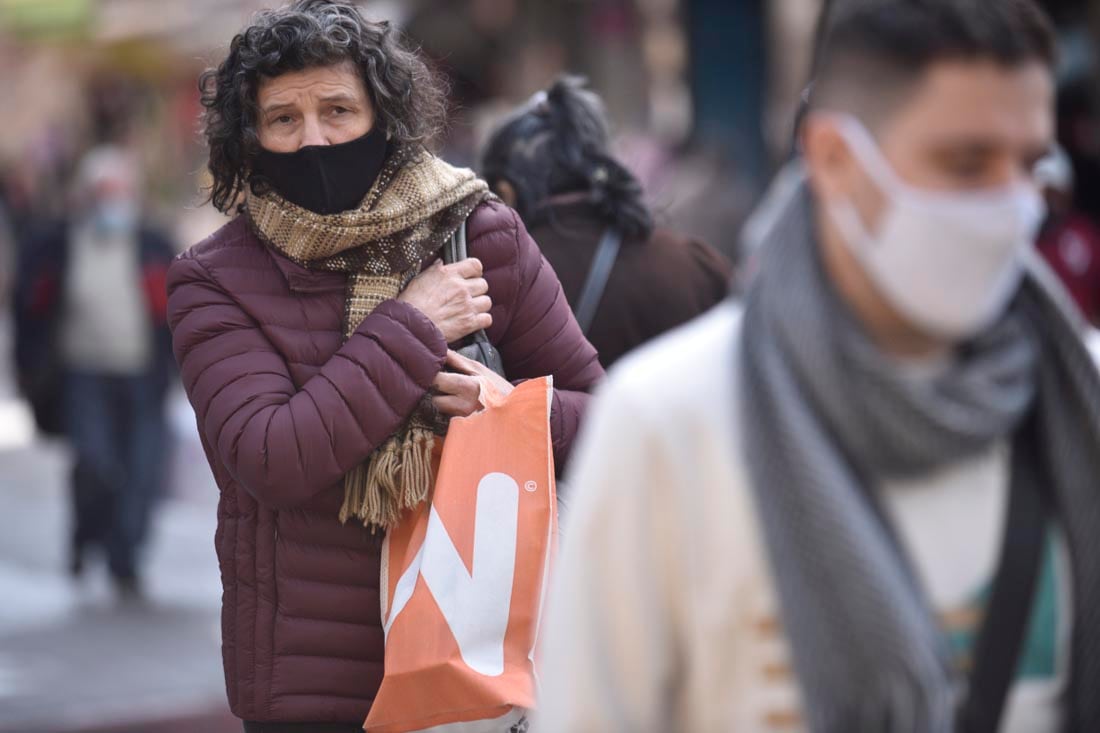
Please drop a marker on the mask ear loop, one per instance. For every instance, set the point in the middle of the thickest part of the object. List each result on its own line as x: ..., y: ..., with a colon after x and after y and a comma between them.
x: 843, y: 213
x: 863, y: 146
x: 850, y: 225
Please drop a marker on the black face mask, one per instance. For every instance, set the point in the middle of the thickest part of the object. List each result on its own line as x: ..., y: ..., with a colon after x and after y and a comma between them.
x: 326, y: 179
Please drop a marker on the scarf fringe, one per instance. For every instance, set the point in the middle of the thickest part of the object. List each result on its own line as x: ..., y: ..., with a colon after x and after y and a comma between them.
x: 397, y: 477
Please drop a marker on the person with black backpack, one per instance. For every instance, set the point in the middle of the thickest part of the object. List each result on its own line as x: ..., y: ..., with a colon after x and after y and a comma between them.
x: 867, y: 498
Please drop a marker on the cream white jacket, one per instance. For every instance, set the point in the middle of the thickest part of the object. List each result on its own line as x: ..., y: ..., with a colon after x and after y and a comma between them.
x: 663, y: 616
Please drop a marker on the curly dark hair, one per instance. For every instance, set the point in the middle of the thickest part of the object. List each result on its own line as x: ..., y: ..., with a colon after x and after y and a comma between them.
x: 408, y: 98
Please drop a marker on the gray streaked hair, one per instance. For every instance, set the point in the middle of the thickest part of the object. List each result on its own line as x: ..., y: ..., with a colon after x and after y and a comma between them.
x: 559, y: 142
x: 408, y: 98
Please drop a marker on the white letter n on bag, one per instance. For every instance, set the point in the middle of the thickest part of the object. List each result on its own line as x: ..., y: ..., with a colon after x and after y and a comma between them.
x: 475, y: 604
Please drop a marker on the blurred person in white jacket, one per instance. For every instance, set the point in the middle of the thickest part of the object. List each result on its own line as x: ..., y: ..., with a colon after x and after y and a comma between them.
x: 867, y: 499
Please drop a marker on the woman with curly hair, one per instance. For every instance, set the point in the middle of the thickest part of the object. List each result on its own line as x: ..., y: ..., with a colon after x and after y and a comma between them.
x: 312, y: 332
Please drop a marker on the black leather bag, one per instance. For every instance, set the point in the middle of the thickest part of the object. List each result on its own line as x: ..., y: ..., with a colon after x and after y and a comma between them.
x: 476, y: 346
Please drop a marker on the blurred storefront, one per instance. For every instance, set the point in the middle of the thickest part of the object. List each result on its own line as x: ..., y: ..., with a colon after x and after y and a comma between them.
x: 79, y: 72
x: 703, y: 93
x: 685, y: 83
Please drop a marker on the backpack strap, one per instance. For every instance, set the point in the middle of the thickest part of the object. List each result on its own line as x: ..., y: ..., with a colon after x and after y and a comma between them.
x: 596, y: 282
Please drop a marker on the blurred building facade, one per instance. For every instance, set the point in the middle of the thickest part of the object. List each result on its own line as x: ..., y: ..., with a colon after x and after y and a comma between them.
x: 703, y: 92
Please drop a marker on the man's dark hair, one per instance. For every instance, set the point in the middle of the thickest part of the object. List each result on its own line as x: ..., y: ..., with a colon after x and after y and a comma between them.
x: 873, y: 51
x: 558, y: 144
x: 407, y: 97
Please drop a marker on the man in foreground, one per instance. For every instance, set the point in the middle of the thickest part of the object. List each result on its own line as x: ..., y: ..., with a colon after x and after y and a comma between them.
x: 865, y: 498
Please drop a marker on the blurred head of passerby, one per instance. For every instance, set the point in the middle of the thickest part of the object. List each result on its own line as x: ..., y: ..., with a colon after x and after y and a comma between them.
x: 559, y: 144
x: 107, y: 192
x: 627, y: 279
x: 313, y: 334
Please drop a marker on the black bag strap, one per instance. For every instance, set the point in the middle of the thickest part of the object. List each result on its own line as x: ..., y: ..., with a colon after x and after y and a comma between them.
x: 596, y: 281
x: 997, y: 650
x: 455, y: 251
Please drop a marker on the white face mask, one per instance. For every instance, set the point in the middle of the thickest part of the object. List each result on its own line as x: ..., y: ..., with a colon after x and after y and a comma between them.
x: 949, y: 262
x: 115, y: 218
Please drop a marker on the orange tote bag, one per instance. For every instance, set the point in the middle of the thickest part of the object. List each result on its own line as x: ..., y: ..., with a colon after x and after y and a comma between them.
x: 463, y: 576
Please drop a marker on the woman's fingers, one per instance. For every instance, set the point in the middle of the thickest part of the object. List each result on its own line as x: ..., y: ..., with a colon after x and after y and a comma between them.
x: 479, y: 371
x: 468, y: 268
x: 456, y: 406
x: 461, y: 364
x: 454, y: 297
x: 477, y: 286
x: 457, y: 395
x: 449, y: 383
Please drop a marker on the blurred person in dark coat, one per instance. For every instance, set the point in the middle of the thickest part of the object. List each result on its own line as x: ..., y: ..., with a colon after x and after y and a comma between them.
x: 1069, y: 239
x: 94, y: 358
x: 628, y: 280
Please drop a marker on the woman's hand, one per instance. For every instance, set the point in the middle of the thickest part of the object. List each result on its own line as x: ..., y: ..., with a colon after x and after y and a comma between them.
x: 457, y: 394
x: 455, y: 298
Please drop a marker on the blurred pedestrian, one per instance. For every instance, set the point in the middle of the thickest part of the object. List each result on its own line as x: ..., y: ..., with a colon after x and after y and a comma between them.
x: 627, y: 280
x: 1069, y: 240
x: 93, y: 345
x: 866, y: 499
x: 312, y: 332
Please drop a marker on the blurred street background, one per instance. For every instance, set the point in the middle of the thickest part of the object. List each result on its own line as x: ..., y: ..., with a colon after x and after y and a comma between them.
x: 702, y: 93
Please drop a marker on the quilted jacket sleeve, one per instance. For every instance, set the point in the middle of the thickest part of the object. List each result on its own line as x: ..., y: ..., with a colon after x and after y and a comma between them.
x: 542, y: 337
x: 284, y: 444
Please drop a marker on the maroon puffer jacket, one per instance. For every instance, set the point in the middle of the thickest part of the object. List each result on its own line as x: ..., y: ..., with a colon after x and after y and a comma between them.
x: 285, y: 410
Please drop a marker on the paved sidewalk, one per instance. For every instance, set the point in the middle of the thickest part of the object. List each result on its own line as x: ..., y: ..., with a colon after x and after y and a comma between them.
x: 71, y: 657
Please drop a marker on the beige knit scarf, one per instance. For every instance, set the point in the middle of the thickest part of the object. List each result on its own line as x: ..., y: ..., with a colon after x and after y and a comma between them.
x: 413, y: 208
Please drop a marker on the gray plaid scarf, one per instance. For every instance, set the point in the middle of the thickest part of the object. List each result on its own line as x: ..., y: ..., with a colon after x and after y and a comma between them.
x: 830, y: 418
